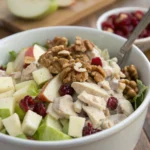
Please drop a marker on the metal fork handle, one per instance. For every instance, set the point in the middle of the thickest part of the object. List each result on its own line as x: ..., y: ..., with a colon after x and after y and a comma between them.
x: 128, y: 44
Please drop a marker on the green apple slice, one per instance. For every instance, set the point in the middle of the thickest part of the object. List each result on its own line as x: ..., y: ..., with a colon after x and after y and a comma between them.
x: 4, y: 113
x: 65, y: 123
x: 21, y: 136
x: 32, y: 8
x: 51, y: 122
x: 47, y: 133
x: 20, y: 112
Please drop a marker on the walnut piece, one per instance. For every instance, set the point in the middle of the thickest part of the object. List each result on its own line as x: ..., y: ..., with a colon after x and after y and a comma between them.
x: 130, y: 72
x: 131, y: 89
x: 82, y: 45
x: 57, y: 41
x: 97, y: 73
x: 54, y: 61
x: 69, y: 75
x: 78, y: 67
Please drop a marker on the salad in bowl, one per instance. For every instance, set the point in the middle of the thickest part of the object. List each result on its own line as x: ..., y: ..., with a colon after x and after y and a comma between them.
x: 64, y: 90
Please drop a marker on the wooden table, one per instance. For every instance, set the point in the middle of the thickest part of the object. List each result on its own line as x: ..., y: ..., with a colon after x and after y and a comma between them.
x: 144, y: 141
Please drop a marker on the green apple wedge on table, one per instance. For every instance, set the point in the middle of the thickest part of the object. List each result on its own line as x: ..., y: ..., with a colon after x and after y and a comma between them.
x: 32, y: 9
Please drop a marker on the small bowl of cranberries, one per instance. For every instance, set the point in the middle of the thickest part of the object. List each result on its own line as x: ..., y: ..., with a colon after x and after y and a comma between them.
x: 122, y: 21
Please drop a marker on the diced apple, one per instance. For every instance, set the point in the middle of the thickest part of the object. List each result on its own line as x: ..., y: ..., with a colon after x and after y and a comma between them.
x: 76, y: 125
x: 65, y: 123
x: 19, y: 61
x: 1, y: 124
x: 10, y: 68
x: 7, y: 94
x: 19, y: 111
x: 38, y: 51
x: 46, y: 133
x: 41, y: 75
x: 23, y: 84
x: 12, y: 125
x: 6, y: 84
x: 66, y: 3
x: 50, y: 90
x: 31, y: 123
x: 20, y: 94
x: 51, y: 122
x: 33, y: 54
x: 7, y: 104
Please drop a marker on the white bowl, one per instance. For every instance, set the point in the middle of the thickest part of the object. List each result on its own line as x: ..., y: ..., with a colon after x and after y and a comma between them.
x: 124, y: 135
x: 143, y: 43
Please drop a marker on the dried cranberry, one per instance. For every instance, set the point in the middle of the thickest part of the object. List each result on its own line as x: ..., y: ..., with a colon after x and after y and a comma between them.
x: 119, y: 32
x: 112, y: 18
x: 66, y: 89
x: 40, y: 108
x: 138, y: 14
x: 112, y: 103
x: 97, y: 61
x: 134, y: 21
x: 88, y: 130
x: 27, y: 103
x: 107, y: 24
x: 148, y: 27
x: 143, y: 34
x: 122, y: 20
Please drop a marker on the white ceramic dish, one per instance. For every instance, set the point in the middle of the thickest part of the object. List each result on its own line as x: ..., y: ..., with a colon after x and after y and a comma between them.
x: 143, y: 43
x: 123, y: 136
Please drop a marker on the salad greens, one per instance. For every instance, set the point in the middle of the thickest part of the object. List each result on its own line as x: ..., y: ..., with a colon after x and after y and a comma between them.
x: 138, y: 99
x: 12, y: 55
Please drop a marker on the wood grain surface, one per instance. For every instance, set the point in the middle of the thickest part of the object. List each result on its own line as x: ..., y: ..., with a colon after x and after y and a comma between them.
x: 90, y: 21
x: 65, y: 16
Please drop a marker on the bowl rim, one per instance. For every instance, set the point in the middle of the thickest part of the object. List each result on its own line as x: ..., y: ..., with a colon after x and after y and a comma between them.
x: 83, y: 140
x: 105, y: 15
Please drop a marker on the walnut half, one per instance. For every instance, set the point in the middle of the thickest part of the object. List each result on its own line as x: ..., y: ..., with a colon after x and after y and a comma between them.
x: 130, y: 72
x: 131, y: 89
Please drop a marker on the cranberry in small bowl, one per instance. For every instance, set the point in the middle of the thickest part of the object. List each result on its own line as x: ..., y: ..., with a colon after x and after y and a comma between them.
x: 122, y: 21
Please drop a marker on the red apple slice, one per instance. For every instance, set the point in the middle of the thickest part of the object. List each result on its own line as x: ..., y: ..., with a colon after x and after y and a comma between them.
x: 29, y: 56
x: 50, y: 90
x: 65, y: 3
x: 33, y: 54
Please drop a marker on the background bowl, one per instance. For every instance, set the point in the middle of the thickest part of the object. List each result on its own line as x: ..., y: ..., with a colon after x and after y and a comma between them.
x: 122, y: 136
x: 142, y: 43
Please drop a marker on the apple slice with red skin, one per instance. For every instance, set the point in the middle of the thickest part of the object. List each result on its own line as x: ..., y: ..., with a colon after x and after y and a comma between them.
x: 33, y: 54
x: 66, y: 3
x: 50, y: 90
x: 29, y: 56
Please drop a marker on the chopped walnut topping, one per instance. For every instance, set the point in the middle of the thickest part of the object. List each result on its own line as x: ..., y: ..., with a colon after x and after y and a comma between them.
x: 72, y: 61
x: 78, y: 67
x: 82, y: 45
x: 53, y: 61
x: 97, y: 73
x: 70, y: 75
x: 64, y: 53
x: 130, y: 72
x: 57, y: 41
x: 131, y: 89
